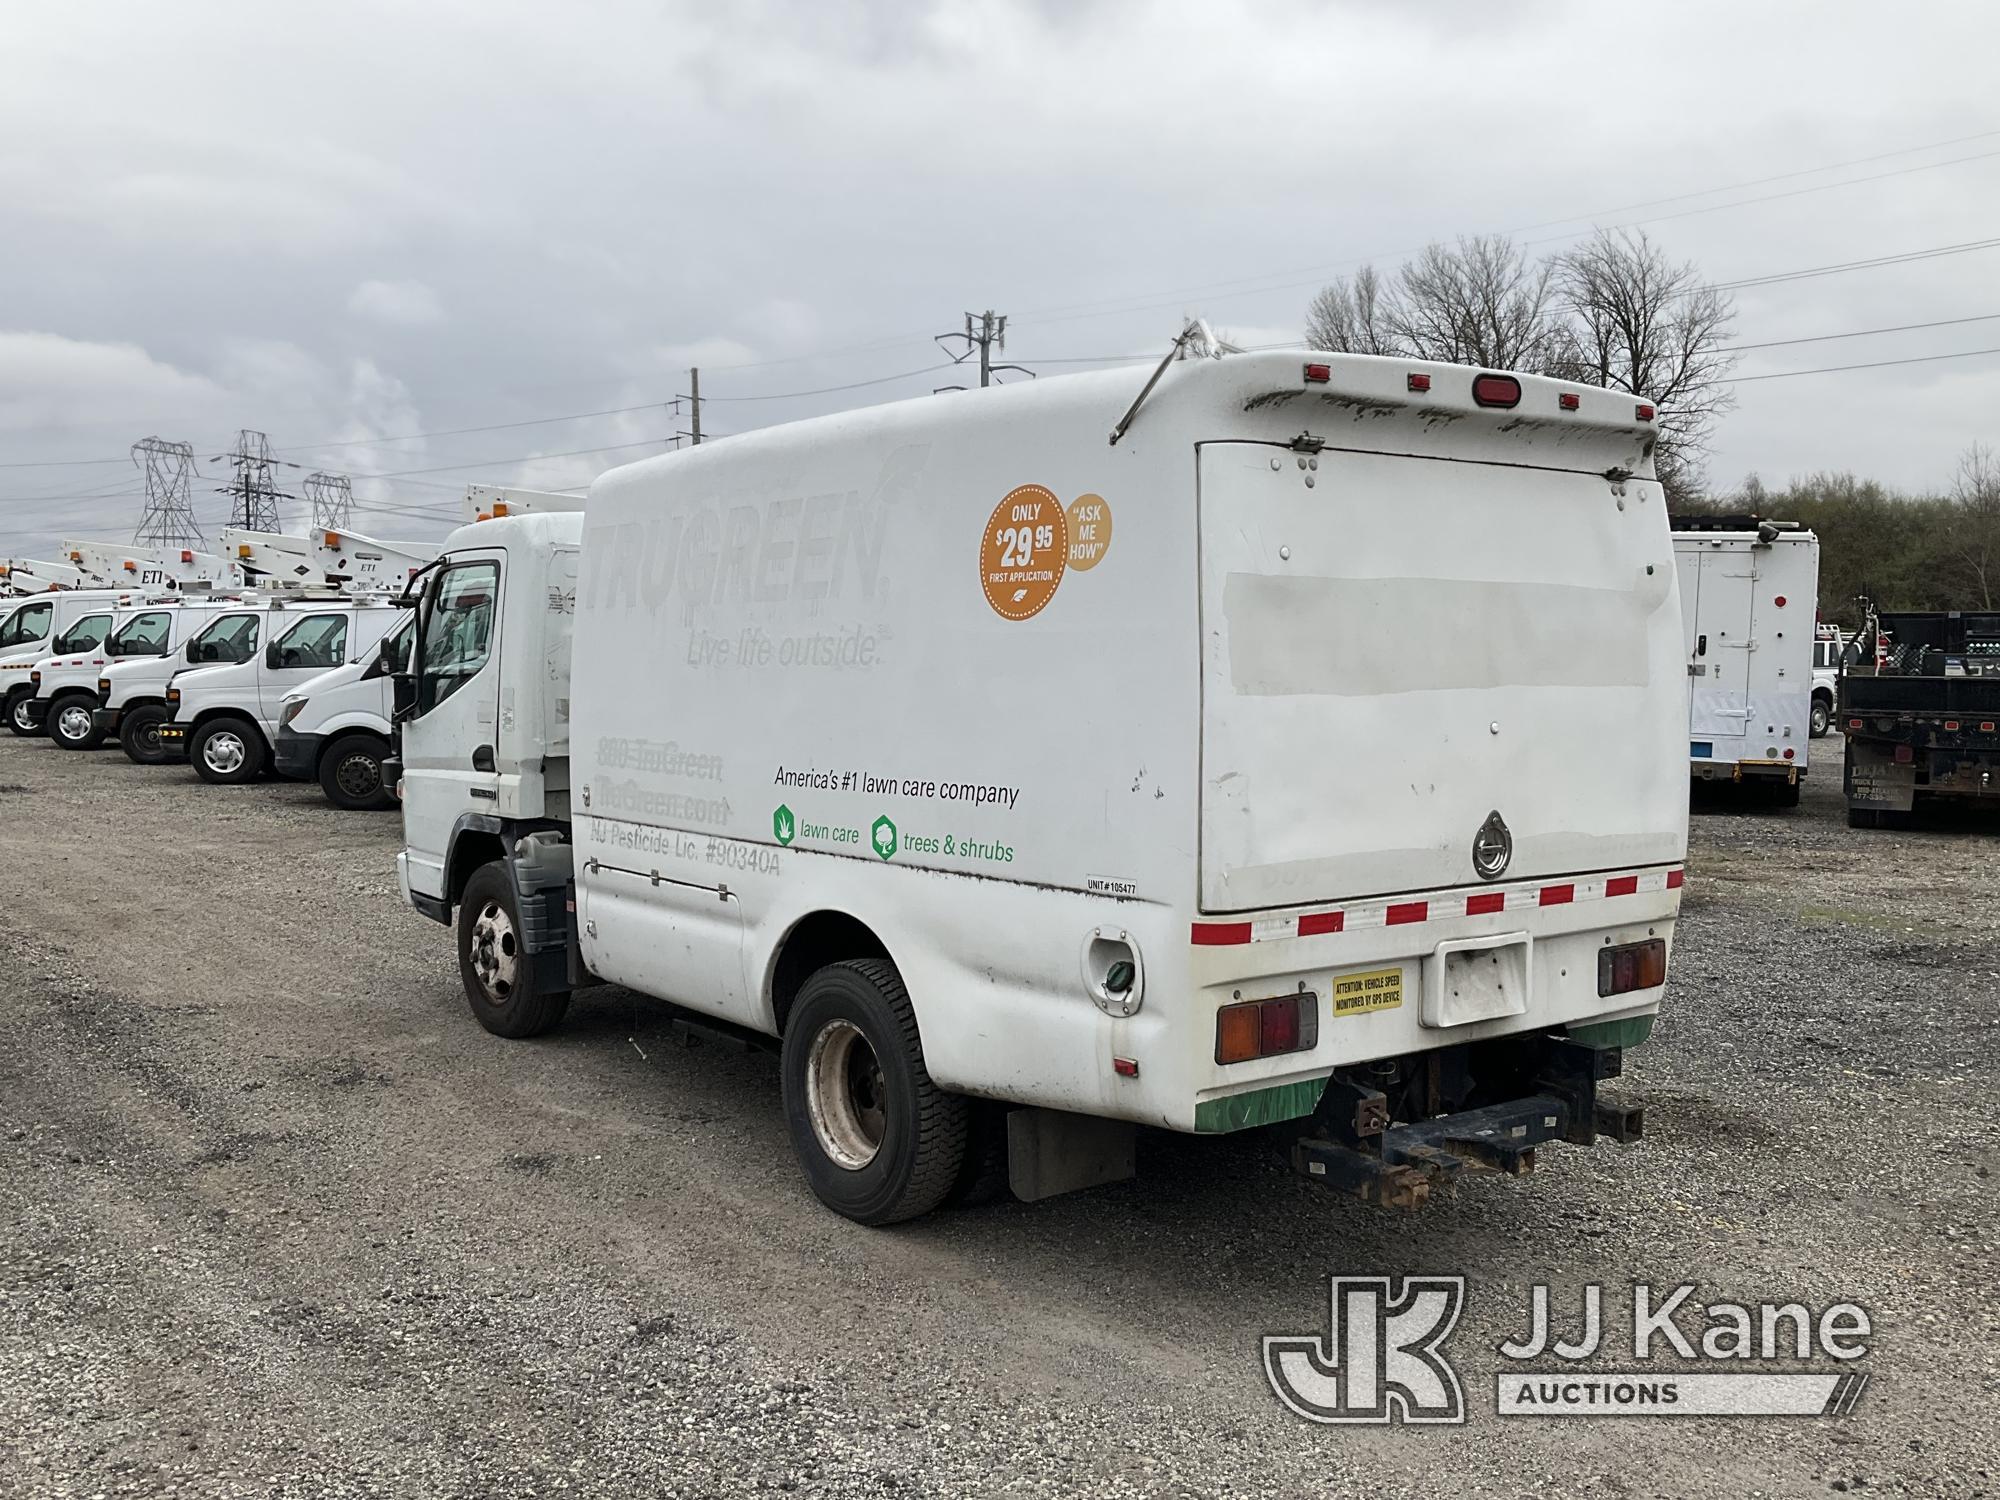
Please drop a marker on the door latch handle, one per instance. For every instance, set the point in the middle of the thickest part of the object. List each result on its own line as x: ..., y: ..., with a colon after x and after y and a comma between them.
x: 482, y: 758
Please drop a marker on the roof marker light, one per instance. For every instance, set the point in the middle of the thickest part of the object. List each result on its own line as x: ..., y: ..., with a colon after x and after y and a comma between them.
x: 1496, y: 390
x: 1569, y: 400
x: 1317, y: 374
x: 1644, y: 412
x: 186, y: 555
x: 1419, y: 382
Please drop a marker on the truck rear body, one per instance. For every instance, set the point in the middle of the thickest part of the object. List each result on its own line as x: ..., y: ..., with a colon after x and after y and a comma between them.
x: 1922, y: 720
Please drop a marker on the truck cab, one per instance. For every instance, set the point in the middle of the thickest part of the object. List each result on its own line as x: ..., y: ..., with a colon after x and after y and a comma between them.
x: 224, y: 719
x: 336, y: 728
x: 143, y: 643
x: 58, y: 623
x: 132, y: 695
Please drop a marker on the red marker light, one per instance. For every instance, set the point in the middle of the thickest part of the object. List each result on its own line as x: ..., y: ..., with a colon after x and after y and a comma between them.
x: 1420, y: 383
x: 1569, y: 400
x: 1644, y: 412
x: 1779, y: 601
x: 1319, y: 374
x: 1125, y: 1067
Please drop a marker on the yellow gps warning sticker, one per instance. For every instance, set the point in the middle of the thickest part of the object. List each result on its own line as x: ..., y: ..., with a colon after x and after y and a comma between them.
x: 1373, y: 989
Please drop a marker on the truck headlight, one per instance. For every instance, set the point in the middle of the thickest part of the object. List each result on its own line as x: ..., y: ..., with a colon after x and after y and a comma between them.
x: 290, y: 711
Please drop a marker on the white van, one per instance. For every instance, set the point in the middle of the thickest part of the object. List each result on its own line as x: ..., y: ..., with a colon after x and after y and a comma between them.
x: 1749, y: 614
x: 335, y: 728
x: 224, y: 718
x: 132, y: 695
x: 32, y: 629
x: 145, y: 642
x: 1296, y: 744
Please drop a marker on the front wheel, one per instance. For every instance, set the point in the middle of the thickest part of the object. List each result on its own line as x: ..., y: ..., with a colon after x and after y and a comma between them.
x: 139, y: 734
x: 1822, y: 717
x: 497, y: 972
x: 350, y: 773
x: 17, y: 713
x: 227, y: 751
x: 879, y: 1141
x: 71, y: 722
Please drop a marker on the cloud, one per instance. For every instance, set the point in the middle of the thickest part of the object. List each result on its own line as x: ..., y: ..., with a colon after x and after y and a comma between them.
x: 399, y: 304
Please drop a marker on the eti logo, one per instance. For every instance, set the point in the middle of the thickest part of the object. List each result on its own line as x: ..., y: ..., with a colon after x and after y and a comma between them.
x: 1380, y: 1361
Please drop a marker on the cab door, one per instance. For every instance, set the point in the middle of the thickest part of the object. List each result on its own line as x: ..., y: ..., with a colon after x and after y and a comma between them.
x: 452, y: 711
x: 310, y: 646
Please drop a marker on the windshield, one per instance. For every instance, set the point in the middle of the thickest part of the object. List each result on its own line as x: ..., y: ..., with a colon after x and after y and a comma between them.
x: 232, y: 638
x: 86, y: 634
x: 142, y: 635
x: 316, y: 641
x: 28, y: 623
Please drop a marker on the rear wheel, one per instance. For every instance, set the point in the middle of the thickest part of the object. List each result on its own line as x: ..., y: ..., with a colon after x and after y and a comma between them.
x: 498, y: 974
x: 1822, y: 716
x: 17, y: 713
x: 879, y: 1141
x: 227, y: 751
x: 139, y: 733
x: 350, y: 773
x: 1786, y: 793
x: 70, y: 722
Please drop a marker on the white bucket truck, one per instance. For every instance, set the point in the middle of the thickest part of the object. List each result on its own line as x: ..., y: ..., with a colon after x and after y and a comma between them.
x: 61, y: 622
x: 1749, y: 616
x: 335, y: 728
x: 223, y: 718
x: 1297, y: 745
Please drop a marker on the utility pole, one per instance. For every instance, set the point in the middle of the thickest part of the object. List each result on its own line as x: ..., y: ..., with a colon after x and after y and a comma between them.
x: 168, y: 520
x: 254, y: 492
x: 693, y: 399
x: 984, y: 332
x: 332, y: 497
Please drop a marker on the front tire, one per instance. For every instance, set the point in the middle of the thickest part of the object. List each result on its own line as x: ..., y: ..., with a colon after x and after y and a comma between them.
x: 350, y: 773
x: 498, y: 974
x: 139, y: 734
x: 879, y: 1142
x: 227, y: 751
x: 17, y: 713
x: 70, y: 722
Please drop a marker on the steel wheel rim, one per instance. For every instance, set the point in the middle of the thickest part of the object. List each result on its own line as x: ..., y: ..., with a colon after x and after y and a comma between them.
x: 223, y: 752
x: 358, y: 776
x: 846, y: 1097
x: 495, y: 953
x: 73, y: 723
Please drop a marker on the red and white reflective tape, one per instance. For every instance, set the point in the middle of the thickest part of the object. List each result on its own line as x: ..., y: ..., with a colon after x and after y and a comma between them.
x: 1434, y: 908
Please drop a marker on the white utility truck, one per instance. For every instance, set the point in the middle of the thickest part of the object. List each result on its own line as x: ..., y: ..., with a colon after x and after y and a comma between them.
x: 66, y: 686
x: 29, y: 575
x: 132, y: 695
x: 159, y: 569
x: 60, y: 623
x: 1749, y: 613
x: 1294, y: 745
x: 274, y: 559
x: 487, y: 502
x: 361, y: 562
x: 335, y: 728
x: 224, y: 718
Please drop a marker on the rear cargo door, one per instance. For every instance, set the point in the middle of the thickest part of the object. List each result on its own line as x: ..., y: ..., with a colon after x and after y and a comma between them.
x: 1719, y: 692
x: 1394, y: 648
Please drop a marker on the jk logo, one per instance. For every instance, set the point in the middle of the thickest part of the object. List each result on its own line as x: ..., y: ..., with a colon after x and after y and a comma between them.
x: 1380, y: 1360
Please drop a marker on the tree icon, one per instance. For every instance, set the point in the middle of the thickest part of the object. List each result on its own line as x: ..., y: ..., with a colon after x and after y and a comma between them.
x: 782, y: 826
x: 883, y: 832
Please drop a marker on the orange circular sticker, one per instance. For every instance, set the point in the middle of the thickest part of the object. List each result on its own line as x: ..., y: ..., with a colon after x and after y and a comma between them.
x: 1089, y: 531
x: 1024, y: 552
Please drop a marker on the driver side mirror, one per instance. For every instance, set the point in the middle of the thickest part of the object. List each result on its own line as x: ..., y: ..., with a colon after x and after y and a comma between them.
x: 271, y: 660
x: 188, y: 652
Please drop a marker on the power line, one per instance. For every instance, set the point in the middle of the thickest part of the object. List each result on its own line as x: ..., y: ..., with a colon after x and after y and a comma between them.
x: 828, y: 390
x: 1878, y: 364
x: 1857, y: 333
x: 1901, y: 258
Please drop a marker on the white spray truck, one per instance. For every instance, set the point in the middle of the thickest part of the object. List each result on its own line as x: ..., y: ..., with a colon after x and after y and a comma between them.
x: 1295, y: 745
x: 335, y: 728
x: 1749, y: 616
x: 223, y: 718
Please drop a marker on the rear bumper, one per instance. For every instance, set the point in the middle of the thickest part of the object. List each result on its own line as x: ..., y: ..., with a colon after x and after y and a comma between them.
x: 1787, y: 771
x: 296, y: 756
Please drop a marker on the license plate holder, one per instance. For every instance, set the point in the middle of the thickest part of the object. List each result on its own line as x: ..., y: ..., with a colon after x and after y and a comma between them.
x: 1478, y: 979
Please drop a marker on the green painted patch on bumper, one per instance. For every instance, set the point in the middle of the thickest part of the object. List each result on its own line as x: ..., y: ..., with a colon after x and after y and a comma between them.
x: 1284, y: 1101
x: 1629, y: 1032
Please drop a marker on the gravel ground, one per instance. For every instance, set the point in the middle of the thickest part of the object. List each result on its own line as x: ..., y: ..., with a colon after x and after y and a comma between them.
x: 281, y: 1220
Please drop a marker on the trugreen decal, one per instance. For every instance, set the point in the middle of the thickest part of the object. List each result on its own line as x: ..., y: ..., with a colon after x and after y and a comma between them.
x: 782, y: 825
x: 883, y: 833
x: 1284, y: 1101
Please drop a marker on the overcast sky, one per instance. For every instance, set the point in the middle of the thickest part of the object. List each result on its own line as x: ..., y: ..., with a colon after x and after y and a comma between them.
x: 347, y: 223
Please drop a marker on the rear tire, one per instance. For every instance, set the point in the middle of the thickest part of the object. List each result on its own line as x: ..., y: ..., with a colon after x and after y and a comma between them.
x: 350, y: 773
x: 499, y: 977
x: 227, y: 751
x: 17, y: 713
x: 69, y: 722
x: 1786, y: 793
x: 1822, y: 717
x: 879, y: 1142
x: 1863, y: 817
x: 139, y: 734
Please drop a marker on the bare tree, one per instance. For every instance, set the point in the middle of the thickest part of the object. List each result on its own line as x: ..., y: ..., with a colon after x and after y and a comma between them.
x: 1648, y: 325
x: 1480, y: 302
x: 1973, y: 529
x: 1348, y: 316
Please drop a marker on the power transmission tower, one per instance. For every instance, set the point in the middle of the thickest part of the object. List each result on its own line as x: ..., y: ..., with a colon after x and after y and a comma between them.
x: 254, y: 492
x: 984, y: 332
x: 332, y: 497
x: 169, y: 516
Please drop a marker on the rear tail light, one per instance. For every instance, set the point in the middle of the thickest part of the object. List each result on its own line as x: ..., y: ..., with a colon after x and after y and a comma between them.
x: 1420, y: 383
x: 1632, y: 966
x: 1497, y: 390
x: 1318, y: 374
x: 1267, y: 1028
